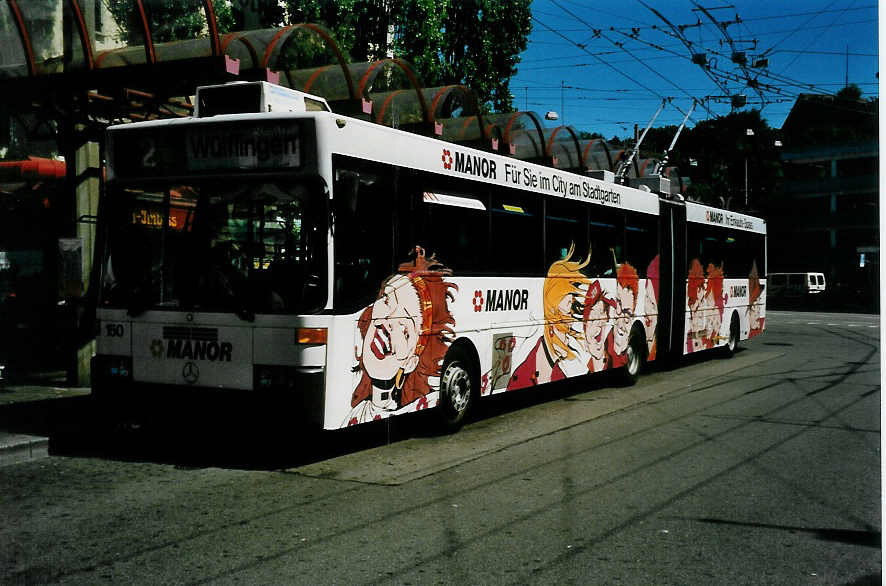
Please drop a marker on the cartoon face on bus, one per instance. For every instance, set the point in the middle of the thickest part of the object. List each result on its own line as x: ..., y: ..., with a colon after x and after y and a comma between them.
x: 755, y: 292
x: 695, y: 301
x: 627, y: 288
x: 389, y: 347
x: 596, y: 321
x: 562, y: 292
x: 404, y: 337
x: 713, y: 304
x: 650, y: 305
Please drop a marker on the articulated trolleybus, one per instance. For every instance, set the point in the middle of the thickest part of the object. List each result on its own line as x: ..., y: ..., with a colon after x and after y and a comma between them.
x: 271, y: 246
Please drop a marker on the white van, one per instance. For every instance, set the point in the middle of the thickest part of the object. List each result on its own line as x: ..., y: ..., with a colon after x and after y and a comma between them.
x: 795, y: 284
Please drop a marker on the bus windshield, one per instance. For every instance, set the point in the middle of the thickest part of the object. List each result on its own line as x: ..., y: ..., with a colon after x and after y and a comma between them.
x: 255, y: 247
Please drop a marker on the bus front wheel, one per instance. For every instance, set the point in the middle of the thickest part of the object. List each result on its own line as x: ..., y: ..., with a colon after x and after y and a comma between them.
x: 457, y: 384
x: 732, y: 342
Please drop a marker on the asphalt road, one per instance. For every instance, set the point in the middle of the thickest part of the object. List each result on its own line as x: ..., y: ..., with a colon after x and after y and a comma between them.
x: 761, y: 469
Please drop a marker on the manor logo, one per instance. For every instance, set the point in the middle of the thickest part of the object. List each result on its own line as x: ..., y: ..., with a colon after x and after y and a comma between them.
x: 478, y: 300
x: 502, y: 300
x: 476, y: 165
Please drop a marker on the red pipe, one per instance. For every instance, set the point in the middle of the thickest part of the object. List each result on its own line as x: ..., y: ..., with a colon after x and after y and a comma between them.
x: 37, y: 168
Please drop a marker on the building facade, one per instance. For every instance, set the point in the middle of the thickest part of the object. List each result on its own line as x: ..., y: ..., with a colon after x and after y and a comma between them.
x: 826, y: 218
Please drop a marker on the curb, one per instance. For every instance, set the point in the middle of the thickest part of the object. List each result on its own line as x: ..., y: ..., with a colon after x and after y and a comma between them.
x: 16, y: 448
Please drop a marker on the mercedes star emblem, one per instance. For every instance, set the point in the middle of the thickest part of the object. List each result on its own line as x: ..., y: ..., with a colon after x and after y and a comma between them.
x: 190, y: 373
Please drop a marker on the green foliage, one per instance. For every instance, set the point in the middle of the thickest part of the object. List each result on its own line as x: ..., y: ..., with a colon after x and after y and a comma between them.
x: 476, y: 43
x: 850, y: 92
x: 585, y: 135
x: 657, y: 140
x: 721, y: 147
x: 169, y: 20
x: 261, y: 14
x: 482, y: 41
x: 340, y: 17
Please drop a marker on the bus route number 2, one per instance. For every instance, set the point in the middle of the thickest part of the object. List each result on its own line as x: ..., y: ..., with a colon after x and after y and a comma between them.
x: 114, y: 330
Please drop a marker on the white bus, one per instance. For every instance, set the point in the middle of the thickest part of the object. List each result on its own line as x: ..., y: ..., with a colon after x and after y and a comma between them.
x: 368, y: 272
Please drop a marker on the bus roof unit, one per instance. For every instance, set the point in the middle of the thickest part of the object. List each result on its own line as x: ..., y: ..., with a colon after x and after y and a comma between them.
x: 245, y: 97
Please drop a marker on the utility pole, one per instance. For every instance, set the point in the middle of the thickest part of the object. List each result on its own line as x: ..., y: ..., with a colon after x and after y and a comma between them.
x: 562, y: 108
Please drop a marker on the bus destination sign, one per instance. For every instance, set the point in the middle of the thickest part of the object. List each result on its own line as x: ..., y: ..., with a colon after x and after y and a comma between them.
x: 248, y: 147
x: 206, y: 148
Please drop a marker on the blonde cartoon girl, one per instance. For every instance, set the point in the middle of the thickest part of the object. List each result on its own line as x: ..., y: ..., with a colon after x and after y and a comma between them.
x: 405, y: 335
x: 563, y: 292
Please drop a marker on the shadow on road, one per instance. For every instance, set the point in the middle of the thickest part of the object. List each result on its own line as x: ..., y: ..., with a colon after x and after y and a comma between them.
x: 249, y: 433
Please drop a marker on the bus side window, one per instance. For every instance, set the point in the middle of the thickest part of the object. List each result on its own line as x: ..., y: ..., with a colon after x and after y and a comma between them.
x: 641, y: 240
x: 606, y: 229
x: 454, y: 227
x: 363, y: 234
x: 516, y: 247
x: 565, y: 227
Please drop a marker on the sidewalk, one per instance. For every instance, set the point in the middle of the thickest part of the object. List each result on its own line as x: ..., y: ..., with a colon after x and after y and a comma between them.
x: 27, y: 405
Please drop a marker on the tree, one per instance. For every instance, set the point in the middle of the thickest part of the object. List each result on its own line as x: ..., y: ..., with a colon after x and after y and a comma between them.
x: 850, y: 93
x: 169, y: 20
x: 476, y: 43
x: 722, y: 147
x: 479, y: 45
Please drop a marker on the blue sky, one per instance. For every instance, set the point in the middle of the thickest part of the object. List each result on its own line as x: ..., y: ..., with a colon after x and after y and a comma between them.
x: 607, y: 66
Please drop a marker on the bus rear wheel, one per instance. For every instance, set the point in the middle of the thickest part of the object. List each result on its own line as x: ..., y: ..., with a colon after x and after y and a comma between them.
x: 732, y: 342
x: 457, y: 384
x: 636, y: 353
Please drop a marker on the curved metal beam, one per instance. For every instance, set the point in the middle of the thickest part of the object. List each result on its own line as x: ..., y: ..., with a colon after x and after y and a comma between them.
x: 150, y: 55
x: 506, y: 135
x: 315, y: 76
x: 84, y: 34
x: 26, y: 38
x: 549, y: 146
x: 410, y: 75
x: 584, y: 154
x: 212, y: 23
x: 379, y: 119
x: 330, y: 42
